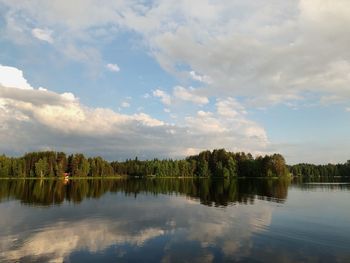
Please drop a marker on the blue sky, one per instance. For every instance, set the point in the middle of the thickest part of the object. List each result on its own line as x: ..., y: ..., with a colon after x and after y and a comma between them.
x: 172, y: 78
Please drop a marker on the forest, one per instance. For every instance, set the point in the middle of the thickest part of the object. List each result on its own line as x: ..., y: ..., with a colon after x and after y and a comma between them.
x: 216, y: 163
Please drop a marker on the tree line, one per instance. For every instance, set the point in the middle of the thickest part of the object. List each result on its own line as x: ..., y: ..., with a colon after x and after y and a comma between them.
x: 216, y: 163
x: 327, y: 170
x: 53, y: 164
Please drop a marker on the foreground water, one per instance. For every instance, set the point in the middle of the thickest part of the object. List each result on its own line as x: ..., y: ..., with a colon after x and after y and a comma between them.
x: 174, y: 220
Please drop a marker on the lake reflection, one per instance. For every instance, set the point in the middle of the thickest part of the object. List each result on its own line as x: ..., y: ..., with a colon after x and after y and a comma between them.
x: 173, y: 220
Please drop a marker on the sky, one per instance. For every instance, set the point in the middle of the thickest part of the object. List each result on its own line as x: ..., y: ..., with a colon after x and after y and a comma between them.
x: 168, y: 79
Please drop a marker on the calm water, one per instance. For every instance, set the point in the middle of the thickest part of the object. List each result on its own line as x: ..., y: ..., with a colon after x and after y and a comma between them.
x: 174, y: 220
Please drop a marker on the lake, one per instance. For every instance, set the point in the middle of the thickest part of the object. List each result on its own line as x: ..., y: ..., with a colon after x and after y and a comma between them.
x: 174, y: 220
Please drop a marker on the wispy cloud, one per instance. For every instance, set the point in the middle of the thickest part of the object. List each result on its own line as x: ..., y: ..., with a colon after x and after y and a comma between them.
x: 43, y: 34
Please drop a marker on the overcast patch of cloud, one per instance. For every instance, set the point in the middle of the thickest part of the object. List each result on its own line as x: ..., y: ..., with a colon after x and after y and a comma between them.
x: 268, y: 52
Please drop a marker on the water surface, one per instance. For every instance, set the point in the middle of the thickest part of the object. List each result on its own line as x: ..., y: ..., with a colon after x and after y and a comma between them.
x: 174, y: 220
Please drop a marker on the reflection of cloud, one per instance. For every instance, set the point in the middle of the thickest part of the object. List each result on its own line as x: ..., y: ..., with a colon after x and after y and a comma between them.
x: 192, y: 230
x: 203, y: 258
x: 231, y: 228
x: 61, y: 239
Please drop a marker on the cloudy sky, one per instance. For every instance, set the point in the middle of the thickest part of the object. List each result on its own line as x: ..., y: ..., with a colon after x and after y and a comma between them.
x: 169, y: 78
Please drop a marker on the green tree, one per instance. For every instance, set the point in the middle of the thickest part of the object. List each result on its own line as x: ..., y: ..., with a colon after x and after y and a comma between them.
x: 41, y: 167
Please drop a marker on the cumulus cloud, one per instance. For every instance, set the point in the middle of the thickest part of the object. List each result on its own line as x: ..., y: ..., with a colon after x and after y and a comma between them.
x: 43, y: 34
x: 34, y: 119
x: 113, y: 67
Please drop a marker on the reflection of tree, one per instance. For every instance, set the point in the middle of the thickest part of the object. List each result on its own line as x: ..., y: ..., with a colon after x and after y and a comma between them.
x: 217, y: 192
x: 327, y: 183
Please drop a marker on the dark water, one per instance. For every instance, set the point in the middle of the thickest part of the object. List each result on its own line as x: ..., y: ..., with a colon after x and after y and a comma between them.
x: 174, y: 220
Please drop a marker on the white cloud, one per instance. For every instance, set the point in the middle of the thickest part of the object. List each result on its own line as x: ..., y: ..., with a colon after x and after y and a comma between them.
x: 189, y: 95
x: 43, y: 34
x: 125, y: 104
x: 200, y: 78
x: 113, y: 67
x: 13, y: 78
x: 164, y: 97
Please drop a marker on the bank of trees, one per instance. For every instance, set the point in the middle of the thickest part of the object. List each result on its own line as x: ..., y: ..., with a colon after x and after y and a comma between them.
x: 216, y: 163
x: 53, y: 164
x: 327, y: 170
x: 226, y: 164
